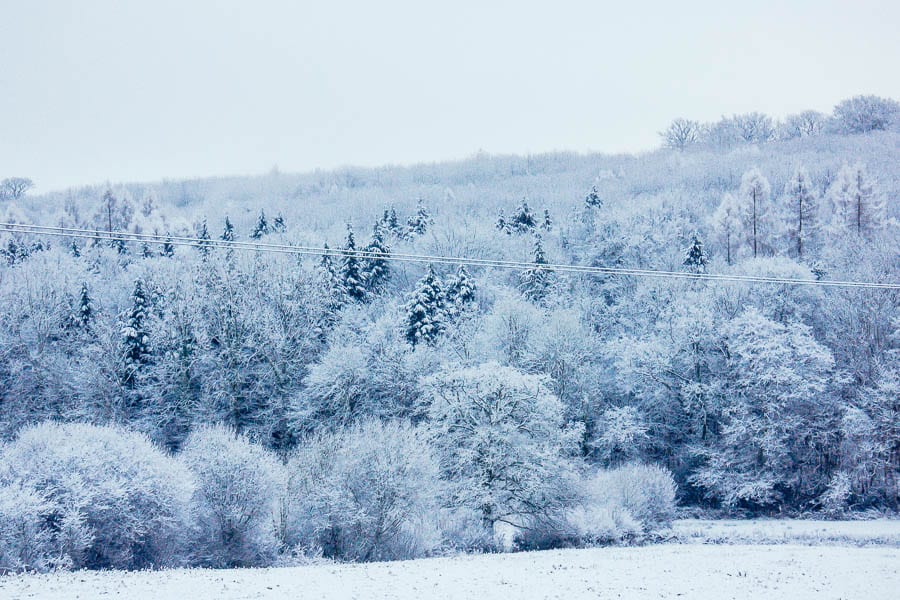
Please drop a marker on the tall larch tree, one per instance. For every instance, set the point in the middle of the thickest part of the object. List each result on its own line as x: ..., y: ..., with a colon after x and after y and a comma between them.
x: 800, y: 212
x: 755, y: 209
x: 856, y: 204
x: 728, y: 225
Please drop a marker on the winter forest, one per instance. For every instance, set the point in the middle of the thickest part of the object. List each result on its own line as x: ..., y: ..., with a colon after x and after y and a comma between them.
x: 179, y: 385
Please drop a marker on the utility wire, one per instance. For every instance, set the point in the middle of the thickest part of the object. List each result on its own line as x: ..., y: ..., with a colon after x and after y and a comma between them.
x: 258, y: 246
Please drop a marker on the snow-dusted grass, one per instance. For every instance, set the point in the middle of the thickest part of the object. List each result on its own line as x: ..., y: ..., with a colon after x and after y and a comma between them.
x: 885, y: 532
x: 663, y: 571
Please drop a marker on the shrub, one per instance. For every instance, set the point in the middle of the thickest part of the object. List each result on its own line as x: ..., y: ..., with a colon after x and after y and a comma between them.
x: 646, y: 492
x: 92, y: 497
x: 233, y: 506
x: 365, y: 493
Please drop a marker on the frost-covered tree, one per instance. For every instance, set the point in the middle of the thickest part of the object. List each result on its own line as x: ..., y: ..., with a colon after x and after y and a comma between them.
x: 755, y: 210
x: 261, y: 228
x: 861, y: 114
x: 695, y: 259
x: 13, y: 188
x: 503, y: 444
x: 681, y: 133
x: 234, y: 502
x: 805, y: 124
x: 801, y: 211
x: 351, y: 275
x: 857, y: 206
x: 426, y: 310
x: 74, y: 249
x: 537, y: 279
x: 771, y: 444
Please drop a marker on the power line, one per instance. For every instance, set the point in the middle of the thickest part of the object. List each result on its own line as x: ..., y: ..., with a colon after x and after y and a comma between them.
x: 258, y: 246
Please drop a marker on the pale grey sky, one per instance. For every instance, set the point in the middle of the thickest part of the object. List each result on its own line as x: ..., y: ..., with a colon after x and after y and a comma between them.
x: 96, y: 90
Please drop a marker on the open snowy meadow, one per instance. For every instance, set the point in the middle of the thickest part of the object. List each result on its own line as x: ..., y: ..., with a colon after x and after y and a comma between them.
x: 666, y: 571
x: 713, y: 559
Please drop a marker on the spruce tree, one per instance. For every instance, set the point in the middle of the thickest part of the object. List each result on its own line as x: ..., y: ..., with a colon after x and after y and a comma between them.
x: 522, y: 220
x: 85, y: 309
x: 350, y: 275
x: 74, y: 249
x: 460, y: 292
x: 593, y: 198
x: 695, y: 258
x: 136, y: 336
x: 278, y: 225
x: 547, y: 225
x: 502, y: 224
x: 146, y: 251
x: 419, y: 222
x: 536, y: 280
x: 425, y: 311
x: 204, y: 244
x: 377, y: 270
x: 168, y: 248
x: 227, y: 231
x: 262, y: 226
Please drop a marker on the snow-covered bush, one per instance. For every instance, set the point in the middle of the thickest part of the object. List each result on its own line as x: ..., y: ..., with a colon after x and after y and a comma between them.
x: 364, y: 493
x: 98, y: 497
x: 238, y: 484
x: 25, y: 541
x: 646, y: 492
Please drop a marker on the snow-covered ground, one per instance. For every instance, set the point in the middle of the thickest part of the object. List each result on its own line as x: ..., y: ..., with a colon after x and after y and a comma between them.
x: 661, y: 571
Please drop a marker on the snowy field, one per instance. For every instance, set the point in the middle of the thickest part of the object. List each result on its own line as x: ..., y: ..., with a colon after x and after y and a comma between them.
x: 788, y: 531
x: 795, y: 570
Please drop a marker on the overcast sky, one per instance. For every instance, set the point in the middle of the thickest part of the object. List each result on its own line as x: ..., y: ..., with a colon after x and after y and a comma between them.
x: 123, y: 91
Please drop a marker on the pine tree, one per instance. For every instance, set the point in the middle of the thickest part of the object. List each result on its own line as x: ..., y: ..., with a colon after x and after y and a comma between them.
x: 801, y: 215
x: 547, y: 225
x: 393, y: 222
x: 278, y: 225
x: 536, y: 280
x: 168, y: 248
x: 593, y: 198
x: 695, y: 258
x: 120, y: 245
x: 425, y: 311
x: 522, y: 220
x: 146, y: 251
x: 204, y: 244
x: 262, y: 226
x: 350, y: 275
x: 376, y: 270
x: 754, y: 194
x: 135, y: 333
x: 460, y: 292
x: 856, y: 205
x: 74, y: 249
x: 419, y: 222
